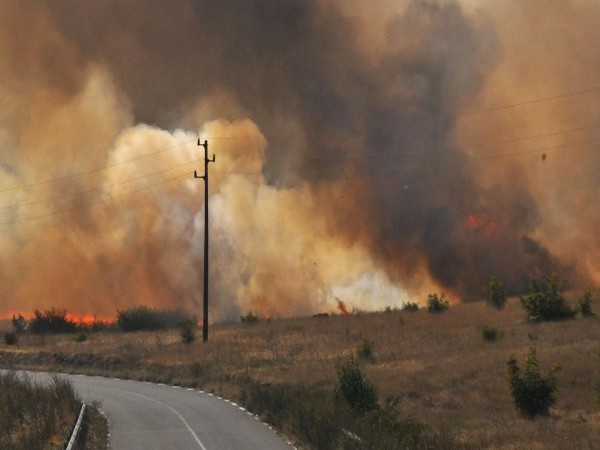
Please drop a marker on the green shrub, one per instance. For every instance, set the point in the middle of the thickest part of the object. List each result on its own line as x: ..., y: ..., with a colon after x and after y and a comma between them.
x: 81, y: 337
x: 381, y: 428
x: 496, y: 293
x: 410, y: 306
x: 353, y: 387
x: 546, y: 300
x: 533, y: 394
x: 437, y: 303
x: 10, y: 338
x: 249, y: 318
x: 328, y: 420
x: 187, y: 331
x: 52, y: 321
x: 143, y: 318
x: 365, y: 350
x: 311, y: 415
x: 490, y: 333
x: 585, y: 304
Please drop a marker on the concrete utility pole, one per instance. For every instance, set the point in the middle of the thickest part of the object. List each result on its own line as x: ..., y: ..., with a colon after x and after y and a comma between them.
x: 205, y: 178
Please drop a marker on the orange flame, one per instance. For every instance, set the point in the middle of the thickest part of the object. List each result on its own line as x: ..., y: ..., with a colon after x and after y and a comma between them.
x: 481, y: 224
x: 342, y: 307
x: 79, y: 319
x: 89, y: 319
x: 262, y: 304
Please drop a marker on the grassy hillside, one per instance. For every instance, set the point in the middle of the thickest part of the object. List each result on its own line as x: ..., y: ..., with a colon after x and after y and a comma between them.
x: 438, y: 365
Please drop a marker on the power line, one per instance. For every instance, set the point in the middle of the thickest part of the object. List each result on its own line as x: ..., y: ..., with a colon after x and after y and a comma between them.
x: 531, y: 102
x: 97, y: 189
x: 533, y: 136
x: 78, y: 207
x: 93, y: 170
x: 335, y: 172
x: 537, y: 150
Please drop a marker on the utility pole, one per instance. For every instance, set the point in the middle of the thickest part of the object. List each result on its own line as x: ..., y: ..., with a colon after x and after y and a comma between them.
x: 205, y: 178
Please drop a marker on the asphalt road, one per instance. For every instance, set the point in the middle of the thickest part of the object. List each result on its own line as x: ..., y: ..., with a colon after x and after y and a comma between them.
x: 154, y: 416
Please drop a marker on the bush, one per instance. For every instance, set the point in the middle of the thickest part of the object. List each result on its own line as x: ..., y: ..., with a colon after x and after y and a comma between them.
x: 585, y: 304
x: 532, y: 393
x: 143, y: 318
x: 437, y: 304
x: 381, y: 428
x: 327, y: 420
x: 81, y: 337
x: 496, y: 293
x: 10, y: 338
x: 51, y: 321
x: 187, y: 331
x: 365, y: 350
x: 546, y: 300
x: 310, y: 414
x: 410, y: 306
x: 249, y: 318
x: 490, y: 333
x: 354, y: 388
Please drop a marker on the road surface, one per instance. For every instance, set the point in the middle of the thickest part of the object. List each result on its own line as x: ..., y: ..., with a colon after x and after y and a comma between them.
x: 154, y: 416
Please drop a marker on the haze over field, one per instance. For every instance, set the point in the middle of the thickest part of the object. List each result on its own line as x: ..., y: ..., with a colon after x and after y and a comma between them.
x: 360, y: 153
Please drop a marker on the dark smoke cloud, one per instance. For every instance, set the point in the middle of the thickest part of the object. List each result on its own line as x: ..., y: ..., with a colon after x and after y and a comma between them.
x: 350, y: 121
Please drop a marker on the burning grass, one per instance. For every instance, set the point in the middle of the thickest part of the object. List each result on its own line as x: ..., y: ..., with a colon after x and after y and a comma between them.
x: 439, y: 367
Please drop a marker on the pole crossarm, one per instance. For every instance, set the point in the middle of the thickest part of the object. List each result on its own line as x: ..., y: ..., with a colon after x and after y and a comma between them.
x: 204, y: 177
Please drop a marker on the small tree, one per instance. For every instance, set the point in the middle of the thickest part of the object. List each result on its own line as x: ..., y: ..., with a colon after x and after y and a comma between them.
x: 585, y: 304
x: 355, y: 388
x: 410, y: 306
x: 365, y: 350
x: 533, y: 394
x: 490, y: 333
x: 52, y: 321
x: 437, y: 303
x: 249, y: 318
x: 496, y: 293
x: 19, y: 323
x: 546, y: 300
x: 187, y: 331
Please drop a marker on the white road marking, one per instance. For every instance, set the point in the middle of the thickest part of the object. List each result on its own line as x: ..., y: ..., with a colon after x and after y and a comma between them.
x: 177, y: 413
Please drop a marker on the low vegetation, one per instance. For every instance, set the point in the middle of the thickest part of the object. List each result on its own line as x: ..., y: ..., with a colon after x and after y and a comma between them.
x: 437, y: 303
x: 249, y: 318
x: 354, y: 388
x: 490, y: 333
x: 35, y: 416
x: 439, y: 383
x: 410, y: 306
x: 187, y: 331
x: 143, y: 318
x: 533, y: 393
x: 496, y: 293
x: 51, y: 321
x: 349, y: 417
x: 365, y: 351
x: 546, y: 300
x: 10, y: 338
x: 584, y: 306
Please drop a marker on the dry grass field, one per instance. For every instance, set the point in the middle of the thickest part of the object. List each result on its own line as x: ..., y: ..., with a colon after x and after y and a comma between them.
x: 438, y: 365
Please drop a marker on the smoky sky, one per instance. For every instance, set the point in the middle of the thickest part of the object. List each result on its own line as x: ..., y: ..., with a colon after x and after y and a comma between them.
x: 361, y: 122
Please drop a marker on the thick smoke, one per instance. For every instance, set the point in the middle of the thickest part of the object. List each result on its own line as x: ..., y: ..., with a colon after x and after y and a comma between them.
x: 345, y: 163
